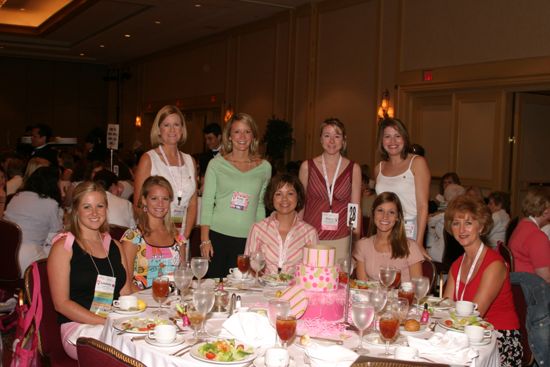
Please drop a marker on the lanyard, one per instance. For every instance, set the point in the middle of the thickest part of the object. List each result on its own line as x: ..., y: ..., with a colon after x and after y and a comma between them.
x: 179, y: 192
x: 109, y: 260
x: 330, y: 189
x: 470, y: 272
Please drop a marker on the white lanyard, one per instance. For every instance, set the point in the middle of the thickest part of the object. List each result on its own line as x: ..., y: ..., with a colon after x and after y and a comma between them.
x: 470, y: 272
x: 179, y: 192
x: 534, y: 221
x: 330, y: 189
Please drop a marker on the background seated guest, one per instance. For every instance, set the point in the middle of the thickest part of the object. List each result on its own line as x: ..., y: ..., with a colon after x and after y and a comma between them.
x: 213, y: 140
x: 120, y: 211
x: 447, y: 179
x: 282, y: 235
x: 15, y: 170
x: 499, y: 205
x: 436, y: 224
x: 475, y: 193
x: 36, y: 210
x: 153, y: 248
x: 32, y: 165
x: 80, y: 258
x: 481, y: 276
x: 388, y: 245
x: 529, y: 244
x: 40, y: 135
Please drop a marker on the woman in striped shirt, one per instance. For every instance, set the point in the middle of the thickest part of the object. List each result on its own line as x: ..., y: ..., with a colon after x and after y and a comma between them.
x: 282, y: 235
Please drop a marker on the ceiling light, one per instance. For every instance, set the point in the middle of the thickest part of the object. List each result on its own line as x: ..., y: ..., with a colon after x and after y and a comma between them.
x: 22, y: 9
x: 127, y: 35
x: 198, y: 5
x: 102, y: 46
x: 82, y: 54
x: 157, y: 21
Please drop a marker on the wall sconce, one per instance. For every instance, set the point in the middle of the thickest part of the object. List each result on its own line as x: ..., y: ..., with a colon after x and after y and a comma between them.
x: 138, y: 122
x: 385, y: 110
x: 228, y: 113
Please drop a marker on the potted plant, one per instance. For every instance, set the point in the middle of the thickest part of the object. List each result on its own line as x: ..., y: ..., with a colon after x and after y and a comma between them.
x: 278, y: 140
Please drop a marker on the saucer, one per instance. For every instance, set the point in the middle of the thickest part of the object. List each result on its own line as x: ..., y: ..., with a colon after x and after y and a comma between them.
x: 484, y: 341
x: 127, y: 312
x: 260, y: 362
x: 179, y: 340
x: 453, y: 310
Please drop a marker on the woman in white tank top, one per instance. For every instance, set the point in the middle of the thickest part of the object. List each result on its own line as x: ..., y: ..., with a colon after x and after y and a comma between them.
x: 165, y: 159
x: 405, y: 174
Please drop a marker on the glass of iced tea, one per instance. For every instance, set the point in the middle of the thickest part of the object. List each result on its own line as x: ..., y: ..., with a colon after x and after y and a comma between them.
x: 243, y: 263
x: 161, y: 290
x: 389, y: 329
x: 286, y: 328
x: 406, y: 290
x: 196, y: 319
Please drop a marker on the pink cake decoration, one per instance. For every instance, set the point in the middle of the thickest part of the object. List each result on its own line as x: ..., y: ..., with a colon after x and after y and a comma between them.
x: 317, y: 279
x: 318, y: 255
x: 296, y: 296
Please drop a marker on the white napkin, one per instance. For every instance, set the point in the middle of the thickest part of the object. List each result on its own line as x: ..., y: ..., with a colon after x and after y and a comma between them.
x: 8, y: 306
x: 250, y: 328
x: 329, y: 356
x: 451, y: 348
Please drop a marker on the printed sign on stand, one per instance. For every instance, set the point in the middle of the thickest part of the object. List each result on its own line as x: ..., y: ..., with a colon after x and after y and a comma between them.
x: 112, y: 136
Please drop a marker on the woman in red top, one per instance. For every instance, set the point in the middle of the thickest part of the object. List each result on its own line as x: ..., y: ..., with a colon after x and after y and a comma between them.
x: 482, y: 275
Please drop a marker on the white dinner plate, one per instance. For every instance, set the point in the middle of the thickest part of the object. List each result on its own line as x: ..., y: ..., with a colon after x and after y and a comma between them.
x: 402, y: 330
x: 431, y: 300
x: 179, y: 340
x: 260, y: 362
x: 138, y: 325
x: 195, y: 354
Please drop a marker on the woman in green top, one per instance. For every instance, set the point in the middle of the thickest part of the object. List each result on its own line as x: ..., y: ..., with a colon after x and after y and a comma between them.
x: 232, y: 200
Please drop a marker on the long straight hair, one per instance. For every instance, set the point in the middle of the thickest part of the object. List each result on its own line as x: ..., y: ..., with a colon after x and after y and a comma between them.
x: 398, y: 237
x: 142, y: 217
x: 79, y: 192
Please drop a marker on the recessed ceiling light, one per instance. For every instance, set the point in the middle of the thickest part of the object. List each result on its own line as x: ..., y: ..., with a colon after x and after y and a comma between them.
x: 198, y: 5
x: 127, y: 35
x: 22, y: 9
x: 157, y: 21
x: 102, y: 46
x: 82, y: 54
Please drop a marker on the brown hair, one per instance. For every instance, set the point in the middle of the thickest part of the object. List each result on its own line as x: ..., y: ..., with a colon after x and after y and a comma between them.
x: 401, y: 129
x: 337, y: 124
x: 279, y: 181
x: 142, y: 217
x: 79, y: 192
x: 398, y: 237
x: 226, y: 136
x: 536, y: 201
x: 465, y: 204
x: 163, y: 113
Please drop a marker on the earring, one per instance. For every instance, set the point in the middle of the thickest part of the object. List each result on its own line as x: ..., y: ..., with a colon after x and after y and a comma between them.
x: 145, y: 208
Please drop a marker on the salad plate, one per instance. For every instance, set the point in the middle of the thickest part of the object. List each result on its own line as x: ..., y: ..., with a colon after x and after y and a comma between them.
x: 458, y: 324
x: 138, y: 325
x: 276, y: 280
x: 223, y: 351
x: 437, y: 303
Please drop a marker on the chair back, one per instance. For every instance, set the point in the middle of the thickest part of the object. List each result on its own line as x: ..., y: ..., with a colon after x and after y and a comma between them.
x: 521, y: 309
x: 429, y: 270
x: 506, y: 254
x: 512, y: 224
x: 452, y: 251
x: 93, y: 353
x: 10, y: 273
x: 117, y: 231
x: 50, y: 344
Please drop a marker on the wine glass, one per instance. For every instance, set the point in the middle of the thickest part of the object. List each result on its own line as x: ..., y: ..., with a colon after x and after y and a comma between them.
x: 183, y: 278
x: 362, y: 314
x: 277, y: 307
x: 343, y: 268
x: 196, y: 319
x: 389, y: 329
x: 203, y: 300
x: 286, y: 328
x: 199, y: 266
x: 400, y: 307
x: 397, y: 280
x: 421, y: 286
x: 387, y: 275
x: 378, y: 298
x: 406, y: 290
x: 243, y: 263
x: 161, y: 290
x: 257, y: 262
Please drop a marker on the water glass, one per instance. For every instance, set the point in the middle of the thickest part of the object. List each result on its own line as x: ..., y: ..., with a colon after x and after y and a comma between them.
x: 421, y: 286
x: 257, y: 262
x: 387, y: 275
x: 203, y: 300
x: 183, y: 278
x: 277, y: 307
x: 362, y: 315
x: 199, y: 267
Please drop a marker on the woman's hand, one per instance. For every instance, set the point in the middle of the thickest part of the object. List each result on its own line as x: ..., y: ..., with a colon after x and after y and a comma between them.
x: 207, y: 250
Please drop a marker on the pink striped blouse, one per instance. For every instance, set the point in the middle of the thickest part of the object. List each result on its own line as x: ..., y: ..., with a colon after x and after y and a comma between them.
x: 285, y: 255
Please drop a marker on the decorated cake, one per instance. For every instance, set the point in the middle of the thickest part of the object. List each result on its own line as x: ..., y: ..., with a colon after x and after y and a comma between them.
x: 317, y: 286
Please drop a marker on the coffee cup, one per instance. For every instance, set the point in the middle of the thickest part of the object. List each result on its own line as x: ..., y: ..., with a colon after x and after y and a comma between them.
x: 276, y: 357
x: 476, y: 333
x: 126, y: 302
x: 465, y: 308
x: 163, y: 334
x: 406, y: 353
x: 236, y: 273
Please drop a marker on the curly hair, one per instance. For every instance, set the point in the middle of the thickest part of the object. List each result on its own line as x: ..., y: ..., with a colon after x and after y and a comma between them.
x: 465, y: 204
x: 536, y: 201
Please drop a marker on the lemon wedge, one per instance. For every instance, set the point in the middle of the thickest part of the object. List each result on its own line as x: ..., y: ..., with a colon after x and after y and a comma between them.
x: 141, y: 305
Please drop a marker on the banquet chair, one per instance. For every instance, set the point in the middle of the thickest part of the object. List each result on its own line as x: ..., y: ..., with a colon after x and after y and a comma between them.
x: 429, y: 270
x: 117, y: 231
x: 93, y: 353
x: 507, y: 255
x: 367, y: 361
x: 521, y: 309
x: 49, y: 336
x: 10, y: 274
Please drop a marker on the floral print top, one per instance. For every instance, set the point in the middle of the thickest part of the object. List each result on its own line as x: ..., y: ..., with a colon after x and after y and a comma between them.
x: 152, y: 261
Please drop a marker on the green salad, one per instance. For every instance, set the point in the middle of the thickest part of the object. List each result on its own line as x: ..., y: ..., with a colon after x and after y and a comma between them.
x: 224, y: 351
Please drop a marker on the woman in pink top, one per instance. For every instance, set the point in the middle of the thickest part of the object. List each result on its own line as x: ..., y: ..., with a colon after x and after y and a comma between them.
x: 529, y: 245
x: 282, y: 235
x: 388, y: 245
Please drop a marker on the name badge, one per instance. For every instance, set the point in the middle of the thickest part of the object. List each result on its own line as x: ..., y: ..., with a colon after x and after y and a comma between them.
x: 103, y: 295
x: 239, y: 201
x: 409, y: 229
x: 177, y: 213
x: 329, y: 221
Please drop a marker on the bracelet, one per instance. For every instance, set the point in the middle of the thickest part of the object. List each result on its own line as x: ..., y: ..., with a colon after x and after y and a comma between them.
x: 207, y: 242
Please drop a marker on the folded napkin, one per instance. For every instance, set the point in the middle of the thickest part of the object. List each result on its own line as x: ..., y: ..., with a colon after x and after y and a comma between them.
x: 450, y: 348
x: 329, y: 356
x: 250, y: 328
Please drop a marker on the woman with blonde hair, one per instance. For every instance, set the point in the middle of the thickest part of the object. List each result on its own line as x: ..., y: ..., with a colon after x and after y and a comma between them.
x: 332, y: 181
x: 153, y: 248
x: 232, y: 200
x: 84, y: 262
x: 165, y: 159
x: 405, y: 174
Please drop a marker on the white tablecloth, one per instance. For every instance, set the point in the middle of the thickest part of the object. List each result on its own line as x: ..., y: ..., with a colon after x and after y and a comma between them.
x: 160, y: 356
